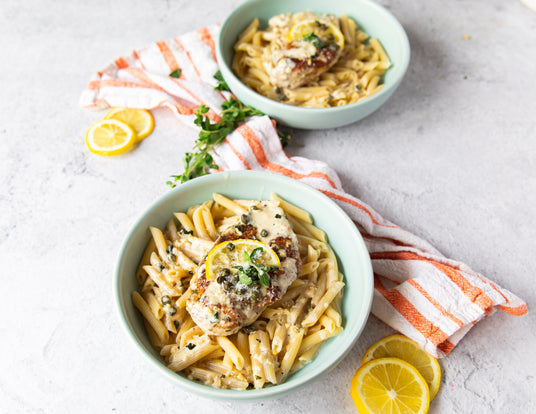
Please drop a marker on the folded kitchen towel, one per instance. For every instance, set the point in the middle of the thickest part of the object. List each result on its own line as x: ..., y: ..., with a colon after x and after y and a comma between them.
x: 417, y: 291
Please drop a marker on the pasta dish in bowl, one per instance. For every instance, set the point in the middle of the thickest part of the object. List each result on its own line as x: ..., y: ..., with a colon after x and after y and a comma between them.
x: 313, y: 64
x: 310, y: 59
x: 234, y: 292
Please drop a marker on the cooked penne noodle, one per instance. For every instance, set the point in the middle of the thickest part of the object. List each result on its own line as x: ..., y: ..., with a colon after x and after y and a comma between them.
x: 190, y: 354
x: 171, y: 231
x: 313, y: 316
x: 156, y: 307
x: 232, y: 351
x: 292, y: 209
x: 231, y: 205
x: 257, y: 365
x: 157, y: 326
x: 141, y: 274
x: 294, y: 344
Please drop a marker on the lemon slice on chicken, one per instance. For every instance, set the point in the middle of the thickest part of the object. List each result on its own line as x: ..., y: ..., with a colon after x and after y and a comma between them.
x: 325, y: 30
x: 236, y: 253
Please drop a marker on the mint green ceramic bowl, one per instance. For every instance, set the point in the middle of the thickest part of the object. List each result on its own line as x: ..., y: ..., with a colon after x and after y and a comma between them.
x: 343, y: 237
x: 375, y: 20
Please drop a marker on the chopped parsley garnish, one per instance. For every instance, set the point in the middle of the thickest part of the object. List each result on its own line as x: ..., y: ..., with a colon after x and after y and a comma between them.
x: 252, y: 270
x: 176, y: 73
x: 278, y: 216
x: 190, y: 346
x: 183, y: 231
x: 200, y: 162
x: 314, y: 39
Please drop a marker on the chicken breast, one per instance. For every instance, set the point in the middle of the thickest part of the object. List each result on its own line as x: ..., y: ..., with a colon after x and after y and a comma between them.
x: 291, y: 64
x: 223, y: 304
x: 301, y: 63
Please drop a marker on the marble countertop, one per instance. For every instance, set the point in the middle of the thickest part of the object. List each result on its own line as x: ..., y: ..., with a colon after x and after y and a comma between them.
x: 451, y: 157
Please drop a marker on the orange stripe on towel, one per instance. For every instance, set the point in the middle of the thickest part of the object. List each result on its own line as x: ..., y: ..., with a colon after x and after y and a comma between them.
x: 121, y: 63
x: 356, y: 204
x: 516, y: 311
x: 398, y: 301
x: 256, y: 146
x: 474, y: 293
x: 446, y: 346
x: 237, y: 153
x: 137, y: 56
x: 97, y: 84
x: 181, y: 47
x: 207, y: 39
x: 168, y: 56
x: 436, y: 304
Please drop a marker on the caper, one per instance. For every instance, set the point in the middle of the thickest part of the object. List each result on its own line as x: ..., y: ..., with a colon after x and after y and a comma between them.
x: 165, y: 300
x: 172, y: 311
x: 264, y: 233
x: 255, y: 295
x: 231, y: 247
x: 227, y: 286
x: 220, y: 279
x: 225, y: 272
x: 245, y: 218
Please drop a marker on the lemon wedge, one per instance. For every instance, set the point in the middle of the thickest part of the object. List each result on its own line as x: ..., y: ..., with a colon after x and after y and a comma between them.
x: 400, y: 346
x: 110, y: 137
x: 389, y: 385
x: 139, y: 119
x: 325, y: 30
x: 235, y: 253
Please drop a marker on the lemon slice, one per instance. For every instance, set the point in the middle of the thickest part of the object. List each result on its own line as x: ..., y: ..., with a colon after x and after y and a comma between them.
x: 324, y: 29
x: 231, y: 253
x: 389, y: 385
x: 139, y: 119
x: 400, y: 346
x: 110, y: 137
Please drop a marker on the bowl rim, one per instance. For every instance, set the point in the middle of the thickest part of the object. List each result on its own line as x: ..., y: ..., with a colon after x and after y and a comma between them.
x: 387, y: 90
x: 227, y: 394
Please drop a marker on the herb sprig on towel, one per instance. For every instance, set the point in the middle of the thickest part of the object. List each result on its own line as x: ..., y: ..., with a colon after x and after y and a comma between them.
x: 199, y: 162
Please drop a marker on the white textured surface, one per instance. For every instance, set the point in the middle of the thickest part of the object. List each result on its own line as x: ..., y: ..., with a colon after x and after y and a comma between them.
x: 452, y: 157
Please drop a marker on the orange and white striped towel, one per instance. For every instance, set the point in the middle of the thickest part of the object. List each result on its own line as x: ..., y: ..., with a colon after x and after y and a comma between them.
x: 418, y: 291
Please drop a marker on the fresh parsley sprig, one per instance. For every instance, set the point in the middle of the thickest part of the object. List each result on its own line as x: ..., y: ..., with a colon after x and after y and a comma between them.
x: 199, y: 162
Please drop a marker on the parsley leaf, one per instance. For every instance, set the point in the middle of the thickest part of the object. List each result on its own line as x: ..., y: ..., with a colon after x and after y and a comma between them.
x: 222, y: 85
x: 314, y: 39
x: 176, y: 73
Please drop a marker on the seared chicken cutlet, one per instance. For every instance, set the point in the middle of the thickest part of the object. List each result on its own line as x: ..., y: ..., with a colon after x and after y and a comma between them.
x: 312, y: 47
x: 250, y: 267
